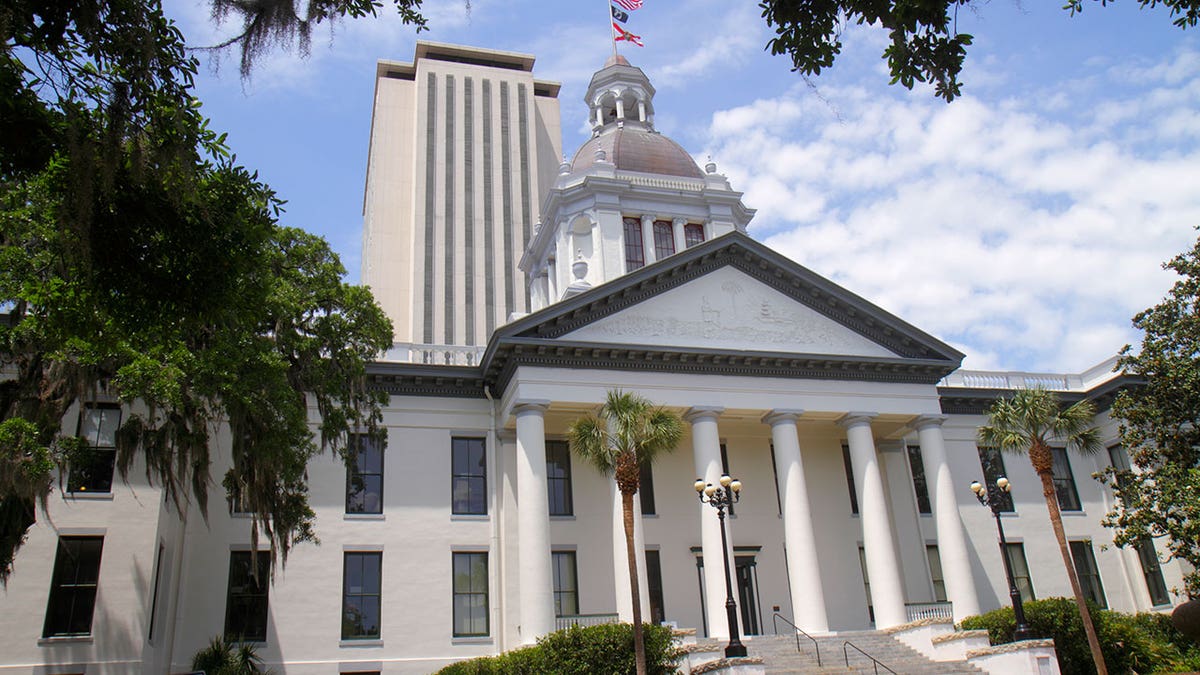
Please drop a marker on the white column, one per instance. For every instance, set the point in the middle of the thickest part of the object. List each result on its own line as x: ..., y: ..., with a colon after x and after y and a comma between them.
x: 621, y: 559
x: 641, y: 110
x: 706, y: 451
x: 533, y: 522
x: 648, y: 239
x: 677, y: 230
x: 808, y: 597
x: 883, y: 567
x: 952, y: 541
x: 620, y: 107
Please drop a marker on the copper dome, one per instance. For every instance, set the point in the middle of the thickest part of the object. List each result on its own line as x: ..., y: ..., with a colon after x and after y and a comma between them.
x: 635, y: 148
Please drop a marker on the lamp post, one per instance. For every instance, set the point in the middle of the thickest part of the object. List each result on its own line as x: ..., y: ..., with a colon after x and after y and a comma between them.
x: 991, y: 496
x: 720, y: 497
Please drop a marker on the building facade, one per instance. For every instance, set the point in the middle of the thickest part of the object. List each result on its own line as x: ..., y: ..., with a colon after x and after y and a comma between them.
x: 473, y: 530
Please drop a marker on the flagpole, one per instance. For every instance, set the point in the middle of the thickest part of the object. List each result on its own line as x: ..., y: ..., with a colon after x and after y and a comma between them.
x: 612, y: 30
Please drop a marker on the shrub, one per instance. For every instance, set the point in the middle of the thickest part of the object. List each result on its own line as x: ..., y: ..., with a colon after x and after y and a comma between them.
x: 1141, y: 643
x: 222, y: 657
x: 607, y: 648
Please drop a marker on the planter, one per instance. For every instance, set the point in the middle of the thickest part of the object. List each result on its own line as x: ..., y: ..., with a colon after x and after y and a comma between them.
x: 1186, y: 618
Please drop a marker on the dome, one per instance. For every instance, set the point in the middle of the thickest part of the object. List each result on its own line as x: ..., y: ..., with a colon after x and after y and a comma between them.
x: 635, y: 148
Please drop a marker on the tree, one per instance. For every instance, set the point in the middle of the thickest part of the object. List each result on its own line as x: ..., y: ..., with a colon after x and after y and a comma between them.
x: 139, y: 261
x: 1025, y: 424
x: 1159, y: 497
x: 628, y: 434
x: 221, y: 657
x: 925, y: 45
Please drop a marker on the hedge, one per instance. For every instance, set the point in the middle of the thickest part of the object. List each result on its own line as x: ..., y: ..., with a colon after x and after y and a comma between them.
x: 1142, y: 643
x: 607, y: 648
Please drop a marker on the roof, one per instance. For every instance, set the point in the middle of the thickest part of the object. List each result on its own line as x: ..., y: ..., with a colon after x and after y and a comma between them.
x: 633, y: 147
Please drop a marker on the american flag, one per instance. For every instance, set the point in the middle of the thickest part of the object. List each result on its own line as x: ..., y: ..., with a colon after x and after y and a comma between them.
x: 629, y: 4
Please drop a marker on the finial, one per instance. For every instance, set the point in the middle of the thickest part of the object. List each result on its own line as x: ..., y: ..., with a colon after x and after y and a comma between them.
x: 600, y: 155
x: 711, y: 167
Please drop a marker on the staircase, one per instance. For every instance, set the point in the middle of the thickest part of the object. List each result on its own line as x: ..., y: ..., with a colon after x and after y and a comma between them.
x: 780, y: 655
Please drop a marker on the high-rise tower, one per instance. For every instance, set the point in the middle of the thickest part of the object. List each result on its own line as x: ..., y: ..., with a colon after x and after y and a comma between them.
x: 464, y: 145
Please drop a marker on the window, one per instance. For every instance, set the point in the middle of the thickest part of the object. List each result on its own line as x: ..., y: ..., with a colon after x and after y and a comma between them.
x: 993, y: 468
x: 470, y: 594
x: 775, y: 473
x: 1020, y: 571
x: 664, y: 240
x: 917, y: 466
x: 1153, y: 572
x: 566, y: 583
x: 246, y: 603
x: 364, y: 476
x: 1088, y: 573
x: 158, y: 565
x: 558, y: 475
x: 469, y: 480
x: 93, y: 472
x: 646, y: 490
x: 635, y: 254
x: 693, y: 233
x: 361, y: 595
x: 1064, y: 481
x: 654, y: 582
x: 850, y: 479
x: 1119, y: 459
x: 725, y: 471
x: 862, y: 563
x: 73, y: 586
x: 935, y: 573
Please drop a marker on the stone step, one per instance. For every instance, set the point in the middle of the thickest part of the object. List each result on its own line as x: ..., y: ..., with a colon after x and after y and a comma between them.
x: 781, y: 656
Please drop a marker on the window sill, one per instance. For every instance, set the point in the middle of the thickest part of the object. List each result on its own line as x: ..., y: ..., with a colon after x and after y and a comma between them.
x: 471, y: 640
x: 364, y: 642
x: 563, y: 517
x: 650, y: 515
x: 364, y: 516
x: 469, y: 517
x: 1073, y: 514
x: 91, y: 496
x: 65, y: 640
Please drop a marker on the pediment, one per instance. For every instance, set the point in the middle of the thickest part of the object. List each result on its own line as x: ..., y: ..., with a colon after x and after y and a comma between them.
x: 727, y: 309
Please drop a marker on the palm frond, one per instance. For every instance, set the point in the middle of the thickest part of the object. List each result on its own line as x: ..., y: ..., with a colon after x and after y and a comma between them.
x: 588, y: 437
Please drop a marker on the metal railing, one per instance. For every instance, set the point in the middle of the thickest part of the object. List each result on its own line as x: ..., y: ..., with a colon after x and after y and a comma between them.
x: 878, y: 665
x: 568, y: 620
x: 799, y: 632
x: 929, y: 610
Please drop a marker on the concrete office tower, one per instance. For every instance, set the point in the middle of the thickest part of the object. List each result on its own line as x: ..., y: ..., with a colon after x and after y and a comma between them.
x: 464, y: 145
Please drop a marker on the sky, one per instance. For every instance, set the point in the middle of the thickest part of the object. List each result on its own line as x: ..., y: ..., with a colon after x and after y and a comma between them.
x: 1024, y: 224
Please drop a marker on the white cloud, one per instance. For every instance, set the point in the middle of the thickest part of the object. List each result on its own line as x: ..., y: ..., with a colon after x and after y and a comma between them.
x: 1026, y: 235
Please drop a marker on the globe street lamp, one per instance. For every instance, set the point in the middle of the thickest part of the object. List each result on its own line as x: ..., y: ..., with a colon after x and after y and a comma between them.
x: 992, y: 496
x: 721, y: 497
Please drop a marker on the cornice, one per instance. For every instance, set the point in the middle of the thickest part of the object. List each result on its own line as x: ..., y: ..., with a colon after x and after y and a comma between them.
x: 976, y: 401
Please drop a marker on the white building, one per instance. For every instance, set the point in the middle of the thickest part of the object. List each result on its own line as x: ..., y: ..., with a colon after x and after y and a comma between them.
x: 474, y: 530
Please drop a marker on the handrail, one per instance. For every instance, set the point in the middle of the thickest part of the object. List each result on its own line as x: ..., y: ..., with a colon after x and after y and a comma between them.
x: 799, y: 632
x: 846, y: 656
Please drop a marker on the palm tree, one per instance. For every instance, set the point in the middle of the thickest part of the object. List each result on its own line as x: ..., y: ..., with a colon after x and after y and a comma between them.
x: 1026, y: 423
x: 629, y: 433
x: 222, y: 657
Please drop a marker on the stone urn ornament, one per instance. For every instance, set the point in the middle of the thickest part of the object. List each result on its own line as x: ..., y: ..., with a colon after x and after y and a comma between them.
x: 1186, y: 618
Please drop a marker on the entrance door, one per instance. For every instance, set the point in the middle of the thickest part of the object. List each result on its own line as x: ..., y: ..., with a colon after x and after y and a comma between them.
x: 747, y: 583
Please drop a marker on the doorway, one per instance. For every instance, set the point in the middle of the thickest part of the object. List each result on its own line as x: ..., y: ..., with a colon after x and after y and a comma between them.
x: 747, y: 583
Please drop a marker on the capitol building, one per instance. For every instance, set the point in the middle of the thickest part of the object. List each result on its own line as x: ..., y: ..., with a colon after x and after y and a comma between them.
x: 523, y: 287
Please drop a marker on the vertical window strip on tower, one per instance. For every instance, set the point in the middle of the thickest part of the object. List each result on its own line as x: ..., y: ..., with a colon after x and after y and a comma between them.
x: 430, y: 201
x: 489, y: 231
x: 635, y: 256
x: 449, y: 303
x: 506, y: 189
x: 469, y: 208
x: 526, y: 178
x: 664, y: 240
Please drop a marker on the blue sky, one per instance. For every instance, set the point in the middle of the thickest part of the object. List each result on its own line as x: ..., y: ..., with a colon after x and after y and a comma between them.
x: 1025, y: 223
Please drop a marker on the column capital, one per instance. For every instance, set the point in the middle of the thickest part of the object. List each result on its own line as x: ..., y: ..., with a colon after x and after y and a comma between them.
x: 679, y: 221
x: 525, y: 406
x: 854, y: 419
x: 782, y: 415
x: 703, y: 412
x: 926, y: 421
x: 647, y: 220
